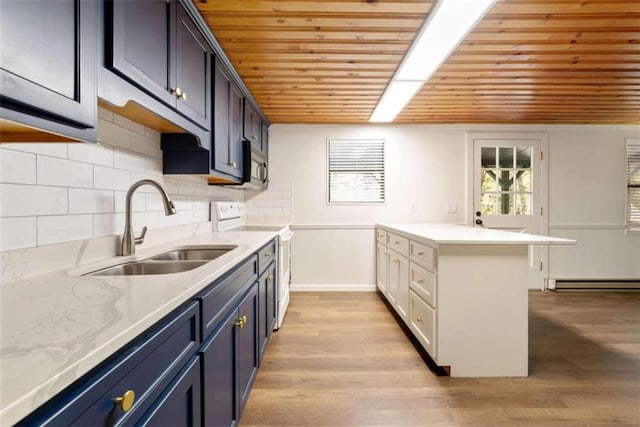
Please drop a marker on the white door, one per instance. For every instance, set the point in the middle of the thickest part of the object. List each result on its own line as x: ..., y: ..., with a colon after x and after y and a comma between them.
x: 508, y: 190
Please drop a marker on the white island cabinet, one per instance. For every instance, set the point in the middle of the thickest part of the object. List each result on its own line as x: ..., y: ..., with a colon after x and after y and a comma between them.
x: 462, y: 291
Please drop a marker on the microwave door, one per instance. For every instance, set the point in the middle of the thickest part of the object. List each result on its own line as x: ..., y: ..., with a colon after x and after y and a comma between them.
x: 255, y: 170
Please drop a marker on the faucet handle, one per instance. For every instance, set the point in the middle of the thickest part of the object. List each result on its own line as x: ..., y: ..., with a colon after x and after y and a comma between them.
x: 139, y: 240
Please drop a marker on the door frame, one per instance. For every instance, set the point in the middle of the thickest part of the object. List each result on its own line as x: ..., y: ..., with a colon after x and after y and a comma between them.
x: 543, y: 137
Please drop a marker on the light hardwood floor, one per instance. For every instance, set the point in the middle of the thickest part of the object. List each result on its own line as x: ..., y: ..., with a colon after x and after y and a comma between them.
x: 341, y: 359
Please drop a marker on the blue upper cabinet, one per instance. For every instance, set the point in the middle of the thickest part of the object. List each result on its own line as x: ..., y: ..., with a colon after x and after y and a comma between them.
x: 227, y: 125
x: 157, y: 46
x: 48, y: 65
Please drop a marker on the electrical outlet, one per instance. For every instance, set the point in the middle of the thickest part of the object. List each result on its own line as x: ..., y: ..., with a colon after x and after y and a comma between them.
x: 452, y: 208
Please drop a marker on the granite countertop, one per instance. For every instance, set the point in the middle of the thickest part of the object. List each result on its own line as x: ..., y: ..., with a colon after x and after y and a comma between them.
x: 56, y: 327
x: 443, y: 233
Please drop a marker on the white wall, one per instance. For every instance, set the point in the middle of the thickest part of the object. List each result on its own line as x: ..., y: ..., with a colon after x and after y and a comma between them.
x: 587, y: 203
x: 426, y: 171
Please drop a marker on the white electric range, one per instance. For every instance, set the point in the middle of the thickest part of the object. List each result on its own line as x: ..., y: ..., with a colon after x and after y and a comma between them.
x: 230, y: 216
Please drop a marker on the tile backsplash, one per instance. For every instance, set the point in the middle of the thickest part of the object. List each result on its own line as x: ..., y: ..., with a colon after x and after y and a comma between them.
x: 53, y: 193
x: 271, y: 206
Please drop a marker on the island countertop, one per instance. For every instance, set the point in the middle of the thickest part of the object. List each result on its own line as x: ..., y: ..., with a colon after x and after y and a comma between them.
x: 58, y: 326
x: 455, y: 234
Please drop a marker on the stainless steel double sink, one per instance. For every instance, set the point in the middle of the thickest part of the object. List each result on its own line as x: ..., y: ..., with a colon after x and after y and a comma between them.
x: 173, y: 261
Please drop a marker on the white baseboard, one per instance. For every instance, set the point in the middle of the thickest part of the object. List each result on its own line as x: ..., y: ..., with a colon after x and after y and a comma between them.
x: 332, y: 288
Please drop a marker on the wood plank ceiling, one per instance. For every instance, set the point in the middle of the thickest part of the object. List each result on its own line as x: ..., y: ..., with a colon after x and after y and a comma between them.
x: 527, y: 61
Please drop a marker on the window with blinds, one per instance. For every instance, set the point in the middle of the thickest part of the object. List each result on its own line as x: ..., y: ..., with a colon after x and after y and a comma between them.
x: 633, y: 185
x: 356, y: 171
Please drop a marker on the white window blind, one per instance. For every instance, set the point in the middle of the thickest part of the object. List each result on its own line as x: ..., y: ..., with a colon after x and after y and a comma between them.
x: 633, y: 185
x: 356, y: 171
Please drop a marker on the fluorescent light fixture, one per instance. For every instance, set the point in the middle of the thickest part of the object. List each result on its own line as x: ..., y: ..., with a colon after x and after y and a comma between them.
x: 395, y: 97
x: 446, y: 26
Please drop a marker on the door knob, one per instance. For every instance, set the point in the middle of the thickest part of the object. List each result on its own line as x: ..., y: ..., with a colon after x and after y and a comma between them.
x: 478, y: 221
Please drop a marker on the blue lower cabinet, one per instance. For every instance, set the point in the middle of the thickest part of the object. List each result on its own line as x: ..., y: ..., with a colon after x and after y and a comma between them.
x: 230, y: 363
x: 271, y: 299
x: 218, y: 374
x: 194, y: 367
x: 181, y: 403
x: 140, y: 373
x: 267, y: 307
x: 247, y: 351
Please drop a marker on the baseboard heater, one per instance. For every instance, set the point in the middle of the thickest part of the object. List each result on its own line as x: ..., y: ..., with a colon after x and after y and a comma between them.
x: 598, y: 284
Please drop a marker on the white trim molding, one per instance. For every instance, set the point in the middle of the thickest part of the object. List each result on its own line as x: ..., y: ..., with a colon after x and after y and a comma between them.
x: 333, y: 227
x: 586, y: 226
x: 333, y: 288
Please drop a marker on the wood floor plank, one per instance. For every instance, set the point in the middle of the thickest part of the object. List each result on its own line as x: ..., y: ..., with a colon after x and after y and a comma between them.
x: 341, y: 359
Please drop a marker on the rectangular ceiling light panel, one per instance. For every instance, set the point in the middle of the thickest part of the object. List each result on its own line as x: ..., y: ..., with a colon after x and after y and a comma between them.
x: 446, y: 26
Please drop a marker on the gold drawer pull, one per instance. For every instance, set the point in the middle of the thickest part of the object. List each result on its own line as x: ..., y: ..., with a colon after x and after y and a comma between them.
x: 419, y: 319
x: 270, y: 278
x: 397, y: 242
x: 241, y: 321
x: 420, y: 253
x: 267, y: 255
x: 233, y: 165
x: 419, y: 281
x: 126, y: 400
x: 396, y: 260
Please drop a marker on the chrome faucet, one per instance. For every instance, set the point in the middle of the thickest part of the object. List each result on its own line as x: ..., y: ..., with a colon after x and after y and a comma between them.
x: 129, y: 241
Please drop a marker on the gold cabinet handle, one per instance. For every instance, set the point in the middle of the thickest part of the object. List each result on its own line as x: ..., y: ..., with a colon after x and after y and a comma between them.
x: 396, y: 260
x: 419, y: 281
x: 241, y: 321
x: 268, y: 255
x: 177, y: 91
x: 397, y: 242
x: 419, y: 319
x: 233, y: 165
x: 255, y: 137
x: 420, y: 253
x: 126, y: 400
x: 183, y: 96
x: 270, y: 278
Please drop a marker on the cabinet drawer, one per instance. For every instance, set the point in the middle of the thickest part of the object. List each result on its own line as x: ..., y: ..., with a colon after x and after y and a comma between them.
x: 266, y: 255
x: 399, y: 244
x: 423, y: 323
x: 381, y: 236
x: 146, y: 367
x: 423, y: 283
x: 423, y: 255
x: 217, y: 300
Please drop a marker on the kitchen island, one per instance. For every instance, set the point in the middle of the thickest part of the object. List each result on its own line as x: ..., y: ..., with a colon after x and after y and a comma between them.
x: 462, y: 291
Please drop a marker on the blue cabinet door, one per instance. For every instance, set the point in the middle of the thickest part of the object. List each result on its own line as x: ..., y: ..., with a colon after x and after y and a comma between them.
x: 262, y: 315
x: 247, y: 350
x: 181, y: 404
x: 267, y: 307
x: 142, y: 45
x: 193, y: 70
x: 271, y: 300
x: 157, y: 46
x: 218, y: 375
x: 227, y: 122
x: 47, y: 61
x: 252, y: 125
